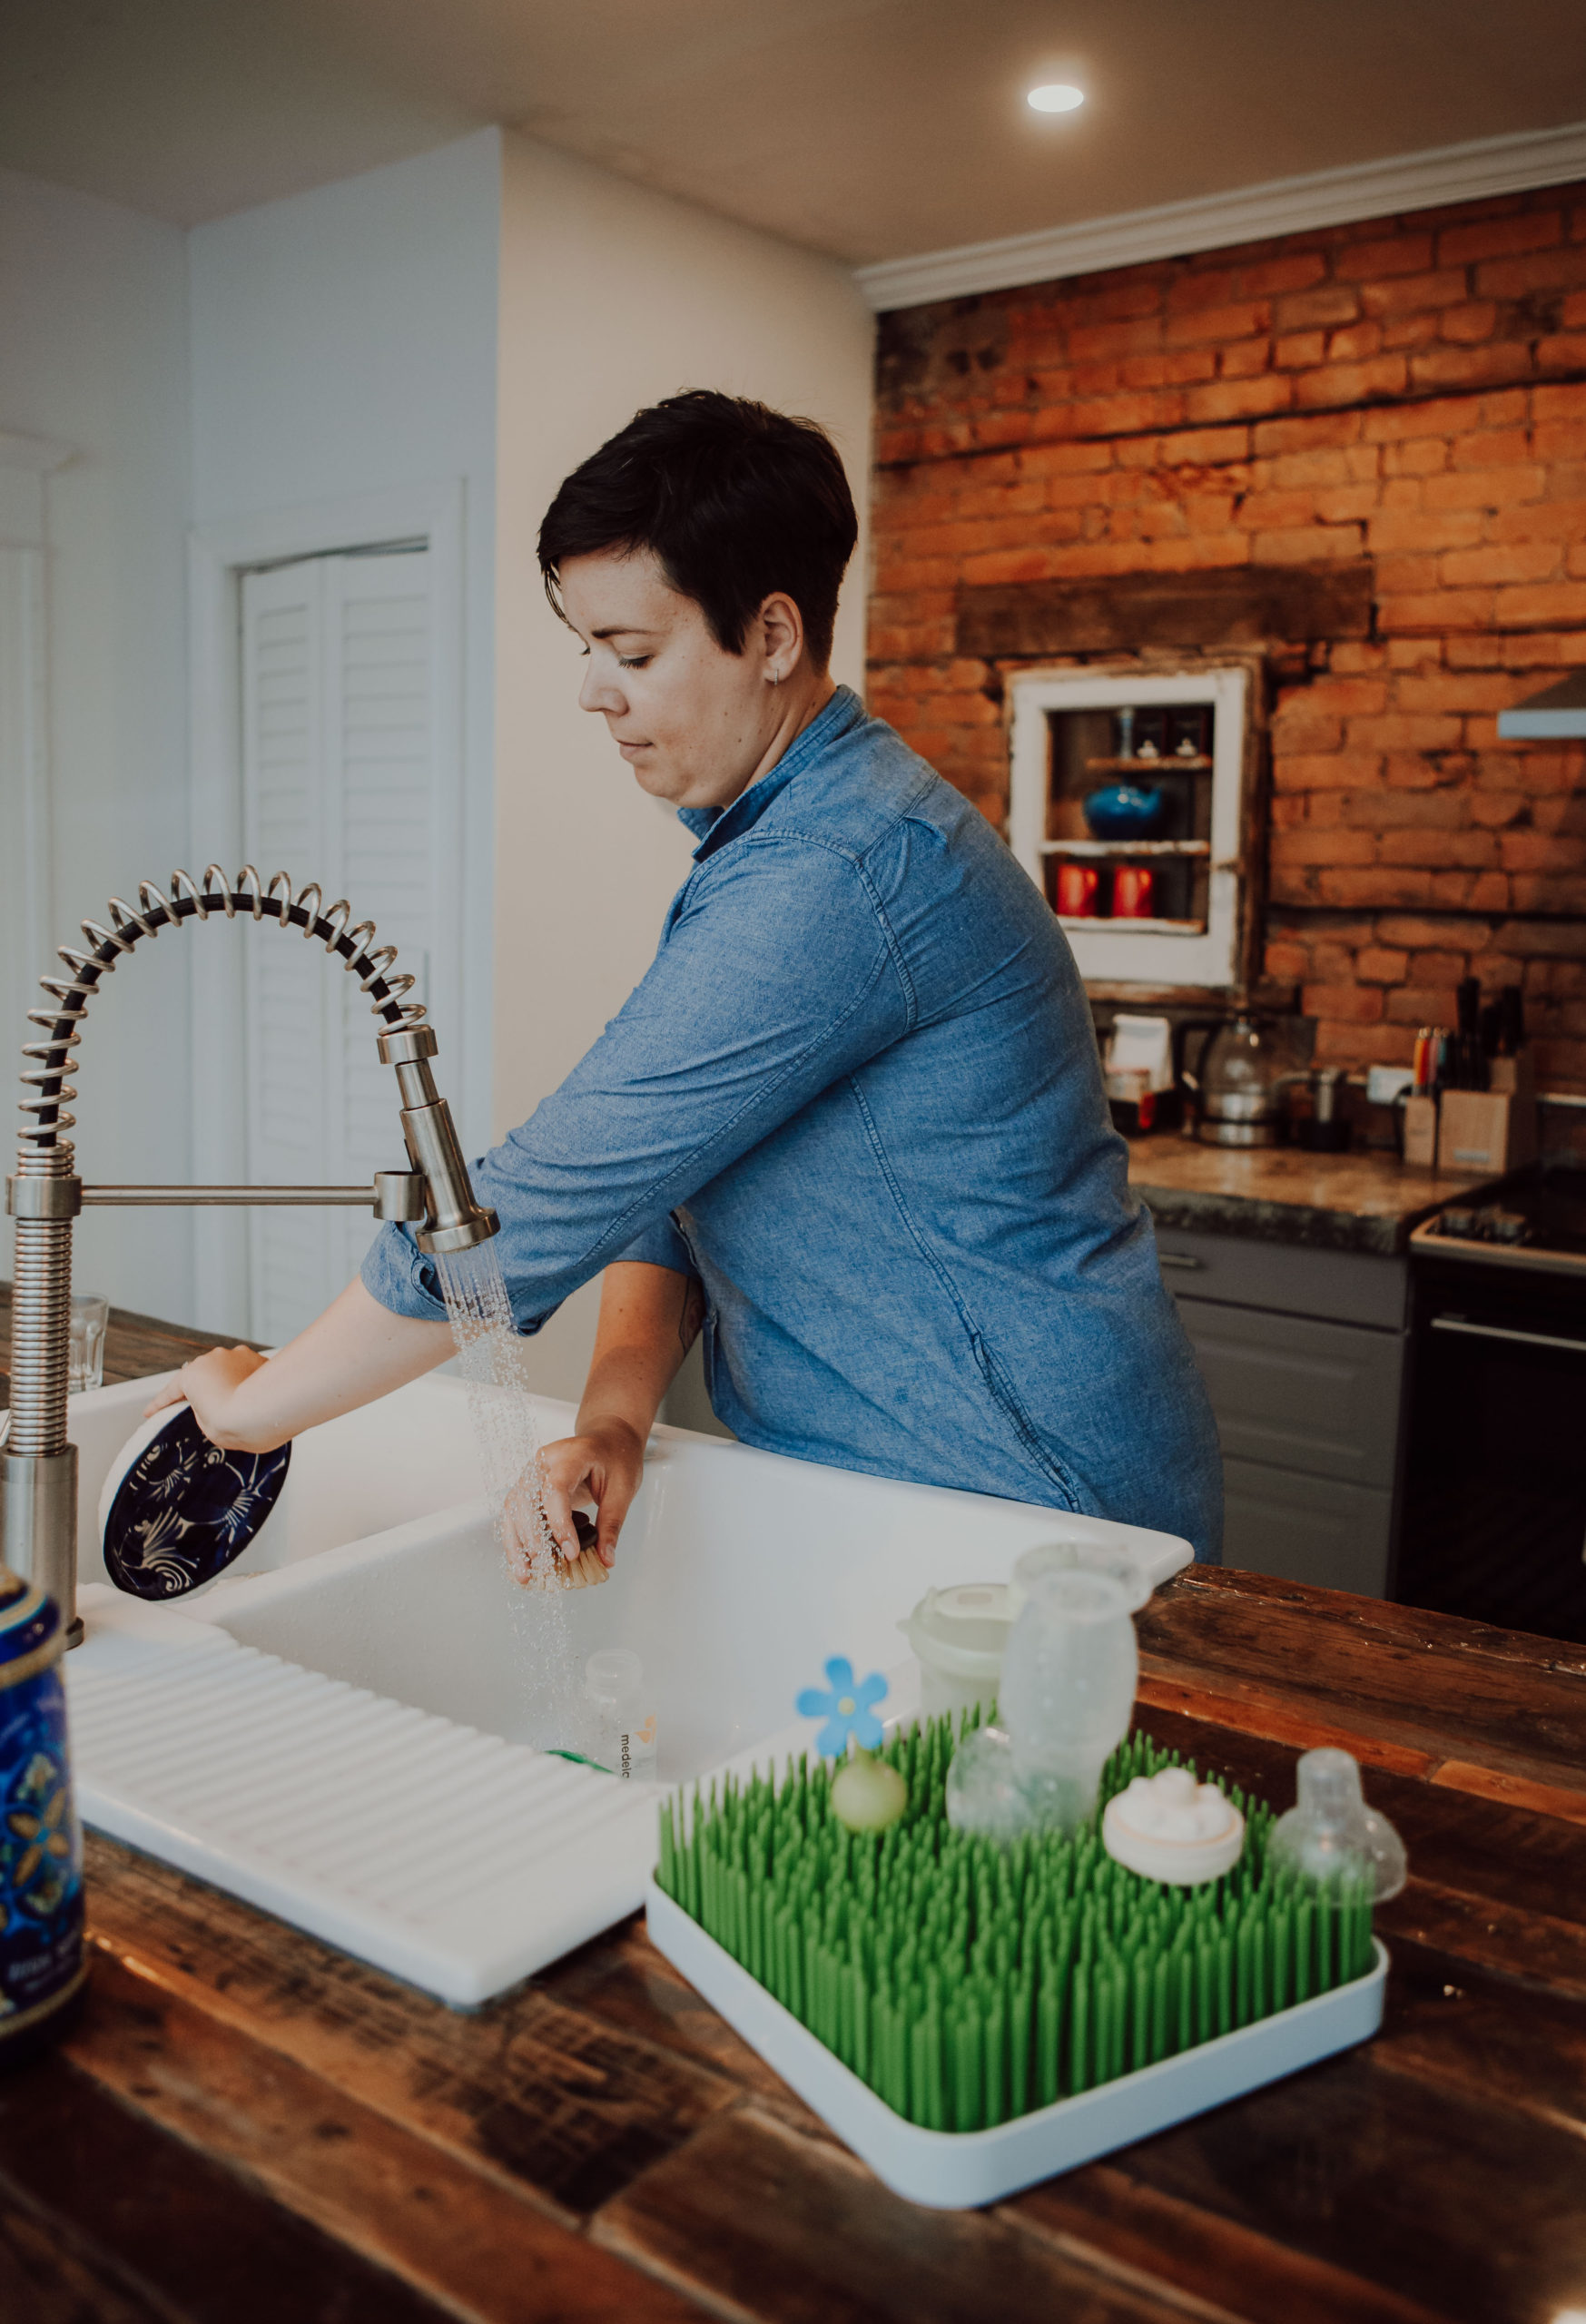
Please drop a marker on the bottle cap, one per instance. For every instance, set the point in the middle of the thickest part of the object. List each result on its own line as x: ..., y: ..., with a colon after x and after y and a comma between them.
x: 611, y: 1675
x: 963, y: 1629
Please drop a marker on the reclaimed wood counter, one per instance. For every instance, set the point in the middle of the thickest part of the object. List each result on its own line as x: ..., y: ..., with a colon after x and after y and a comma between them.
x: 244, y: 2124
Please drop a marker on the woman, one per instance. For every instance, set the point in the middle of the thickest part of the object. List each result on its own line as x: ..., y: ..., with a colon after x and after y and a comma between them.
x: 851, y: 1122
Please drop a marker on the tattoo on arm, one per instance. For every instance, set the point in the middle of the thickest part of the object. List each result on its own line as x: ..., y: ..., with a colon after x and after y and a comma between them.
x: 690, y: 1317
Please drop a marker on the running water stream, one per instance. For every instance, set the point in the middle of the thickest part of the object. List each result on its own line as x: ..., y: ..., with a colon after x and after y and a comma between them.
x: 475, y: 1292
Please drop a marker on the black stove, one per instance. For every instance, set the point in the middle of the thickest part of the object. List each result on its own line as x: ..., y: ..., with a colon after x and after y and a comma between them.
x: 1536, y: 1222
x: 1493, y: 1521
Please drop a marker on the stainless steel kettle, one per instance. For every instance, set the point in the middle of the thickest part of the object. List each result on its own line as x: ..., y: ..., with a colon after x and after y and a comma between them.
x: 1235, y: 1089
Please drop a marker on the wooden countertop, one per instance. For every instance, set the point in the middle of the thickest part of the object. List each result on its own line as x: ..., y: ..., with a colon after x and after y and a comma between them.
x: 245, y: 2125
x: 1337, y: 1202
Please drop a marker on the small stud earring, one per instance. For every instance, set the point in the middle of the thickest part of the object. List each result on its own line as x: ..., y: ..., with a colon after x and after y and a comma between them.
x: 776, y: 677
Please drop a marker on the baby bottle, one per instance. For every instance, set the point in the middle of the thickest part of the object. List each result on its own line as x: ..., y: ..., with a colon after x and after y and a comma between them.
x: 1068, y: 1680
x: 625, y: 1736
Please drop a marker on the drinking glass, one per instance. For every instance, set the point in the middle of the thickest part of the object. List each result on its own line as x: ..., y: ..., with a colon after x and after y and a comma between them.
x: 90, y: 1315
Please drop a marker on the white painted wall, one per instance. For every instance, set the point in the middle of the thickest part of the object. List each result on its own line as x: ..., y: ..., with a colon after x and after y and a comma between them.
x: 94, y: 353
x: 612, y: 297
x: 485, y: 314
x: 344, y: 357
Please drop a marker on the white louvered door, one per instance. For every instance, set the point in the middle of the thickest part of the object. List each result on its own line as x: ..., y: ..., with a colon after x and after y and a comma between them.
x: 341, y: 785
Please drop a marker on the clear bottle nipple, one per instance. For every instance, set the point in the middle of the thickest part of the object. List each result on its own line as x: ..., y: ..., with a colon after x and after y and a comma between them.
x: 1332, y: 1833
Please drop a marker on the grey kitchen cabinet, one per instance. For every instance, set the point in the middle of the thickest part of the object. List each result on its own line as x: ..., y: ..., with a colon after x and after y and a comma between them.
x: 1302, y: 1354
x: 1290, y: 1278
x: 1306, y: 1529
x: 1322, y: 1399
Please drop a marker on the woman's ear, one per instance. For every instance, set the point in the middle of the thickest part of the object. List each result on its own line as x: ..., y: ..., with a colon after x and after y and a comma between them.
x: 781, y: 636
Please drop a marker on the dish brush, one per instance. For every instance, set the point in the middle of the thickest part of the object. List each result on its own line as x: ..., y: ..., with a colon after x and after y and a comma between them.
x: 541, y: 1564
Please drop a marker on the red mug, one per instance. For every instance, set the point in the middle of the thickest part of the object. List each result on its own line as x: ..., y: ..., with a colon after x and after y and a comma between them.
x: 1134, y: 887
x: 1077, y: 887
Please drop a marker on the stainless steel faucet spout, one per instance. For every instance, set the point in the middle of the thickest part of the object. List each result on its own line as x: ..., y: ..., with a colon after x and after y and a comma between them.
x: 455, y: 1221
x: 38, y: 1464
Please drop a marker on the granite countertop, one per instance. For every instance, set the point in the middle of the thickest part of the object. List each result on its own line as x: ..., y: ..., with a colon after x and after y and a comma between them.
x: 1278, y: 1194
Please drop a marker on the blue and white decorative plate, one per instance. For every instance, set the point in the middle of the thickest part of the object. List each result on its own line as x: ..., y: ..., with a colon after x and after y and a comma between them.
x: 184, y: 1511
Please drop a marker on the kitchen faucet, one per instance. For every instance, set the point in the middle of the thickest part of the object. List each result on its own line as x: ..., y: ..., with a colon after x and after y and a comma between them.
x: 38, y: 1465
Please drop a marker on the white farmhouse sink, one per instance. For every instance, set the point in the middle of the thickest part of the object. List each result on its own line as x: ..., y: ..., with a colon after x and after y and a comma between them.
x: 334, y: 1729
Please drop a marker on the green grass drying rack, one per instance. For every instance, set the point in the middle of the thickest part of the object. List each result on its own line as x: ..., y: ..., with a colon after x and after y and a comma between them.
x: 968, y: 2018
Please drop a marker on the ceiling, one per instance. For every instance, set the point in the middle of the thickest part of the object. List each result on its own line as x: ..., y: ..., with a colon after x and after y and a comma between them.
x: 867, y: 129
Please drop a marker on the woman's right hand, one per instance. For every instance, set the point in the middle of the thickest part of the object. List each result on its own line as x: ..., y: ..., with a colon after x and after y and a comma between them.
x: 604, y: 1465
x: 212, y: 1384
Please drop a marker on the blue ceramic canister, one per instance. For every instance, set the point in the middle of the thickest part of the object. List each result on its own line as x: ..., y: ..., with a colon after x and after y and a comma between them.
x: 42, y: 1965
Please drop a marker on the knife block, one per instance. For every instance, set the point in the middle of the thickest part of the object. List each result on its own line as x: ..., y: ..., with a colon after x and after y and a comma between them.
x: 1421, y: 1132
x: 1488, y: 1131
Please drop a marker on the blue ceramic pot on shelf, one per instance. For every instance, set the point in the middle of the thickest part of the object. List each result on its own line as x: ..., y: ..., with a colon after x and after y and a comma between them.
x: 42, y: 1966
x: 1123, y: 811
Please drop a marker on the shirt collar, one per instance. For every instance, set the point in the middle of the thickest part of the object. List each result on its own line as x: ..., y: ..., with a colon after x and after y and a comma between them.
x: 714, y: 827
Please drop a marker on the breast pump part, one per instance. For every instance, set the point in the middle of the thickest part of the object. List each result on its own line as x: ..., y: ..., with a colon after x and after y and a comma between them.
x: 983, y: 1793
x: 1168, y: 1827
x: 958, y: 1636
x: 1068, y: 1680
x: 867, y: 1795
x: 1331, y: 1834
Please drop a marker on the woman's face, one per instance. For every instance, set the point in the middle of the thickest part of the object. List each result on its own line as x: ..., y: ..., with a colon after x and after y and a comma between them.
x: 696, y: 724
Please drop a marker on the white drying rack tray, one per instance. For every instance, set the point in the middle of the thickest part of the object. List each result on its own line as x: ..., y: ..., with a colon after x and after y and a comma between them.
x: 958, y: 2169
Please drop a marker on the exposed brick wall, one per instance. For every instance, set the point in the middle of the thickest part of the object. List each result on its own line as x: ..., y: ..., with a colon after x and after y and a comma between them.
x: 1413, y: 390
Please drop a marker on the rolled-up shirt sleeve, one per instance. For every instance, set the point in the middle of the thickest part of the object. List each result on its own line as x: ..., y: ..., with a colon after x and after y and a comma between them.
x: 776, y: 975
x: 660, y: 1246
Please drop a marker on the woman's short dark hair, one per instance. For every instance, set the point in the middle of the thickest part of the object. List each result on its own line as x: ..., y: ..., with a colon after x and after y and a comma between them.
x: 735, y: 501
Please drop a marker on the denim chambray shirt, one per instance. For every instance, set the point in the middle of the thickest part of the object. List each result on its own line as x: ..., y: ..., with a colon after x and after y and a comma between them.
x: 858, y: 1096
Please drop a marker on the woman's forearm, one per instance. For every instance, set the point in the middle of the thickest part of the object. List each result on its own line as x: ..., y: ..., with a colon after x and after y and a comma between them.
x: 649, y: 1319
x: 354, y: 1352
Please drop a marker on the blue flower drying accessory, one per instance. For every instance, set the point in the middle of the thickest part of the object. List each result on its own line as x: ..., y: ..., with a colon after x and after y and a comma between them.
x: 866, y: 1796
x: 847, y: 1710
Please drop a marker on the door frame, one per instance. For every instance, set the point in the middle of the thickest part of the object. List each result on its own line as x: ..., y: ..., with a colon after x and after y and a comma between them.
x: 218, y: 555
x: 27, y: 879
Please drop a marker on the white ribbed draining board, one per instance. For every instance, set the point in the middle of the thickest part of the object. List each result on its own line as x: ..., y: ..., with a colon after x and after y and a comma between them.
x: 453, y: 1858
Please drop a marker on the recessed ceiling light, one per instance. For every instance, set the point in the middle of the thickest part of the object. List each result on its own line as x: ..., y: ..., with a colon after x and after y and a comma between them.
x: 1055, y: 96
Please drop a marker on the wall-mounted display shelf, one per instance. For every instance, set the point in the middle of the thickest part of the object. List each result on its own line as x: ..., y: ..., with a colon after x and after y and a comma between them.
x: 1126, y: 847
x: 1077, y: 732
x: 1137, y: 769
x: 1087, y: 925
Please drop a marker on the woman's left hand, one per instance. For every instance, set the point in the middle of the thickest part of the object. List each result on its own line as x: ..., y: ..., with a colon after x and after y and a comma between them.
x: 604, y: 1465
x: 210, y: 1384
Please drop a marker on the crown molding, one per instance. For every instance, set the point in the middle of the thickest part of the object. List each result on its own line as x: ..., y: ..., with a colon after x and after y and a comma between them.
x: 1249, y: 213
